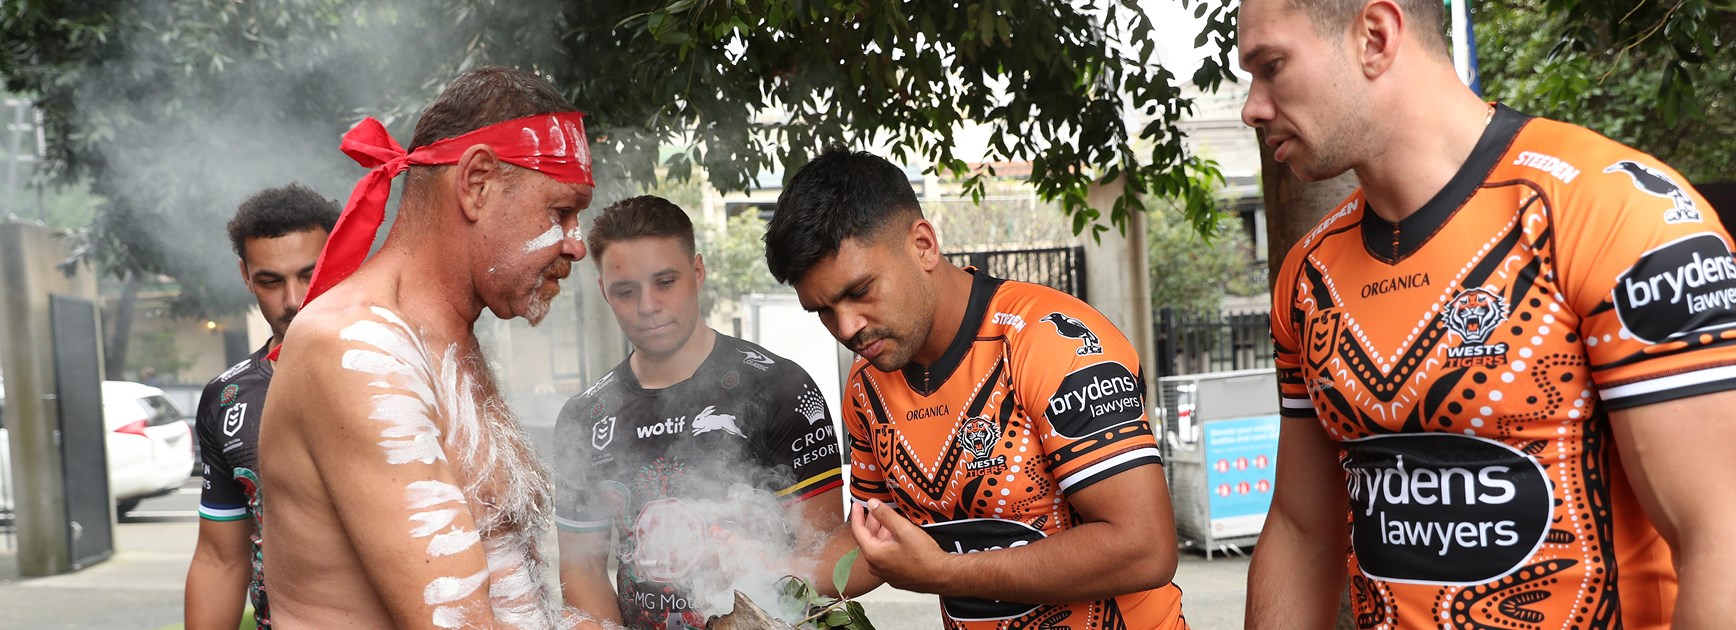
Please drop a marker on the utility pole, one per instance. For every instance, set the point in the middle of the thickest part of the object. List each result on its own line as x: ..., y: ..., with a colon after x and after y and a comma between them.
x: 19, y: 127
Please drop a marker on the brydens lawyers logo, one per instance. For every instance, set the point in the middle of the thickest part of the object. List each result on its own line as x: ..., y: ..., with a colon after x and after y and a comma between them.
x: 1473, y: 316
x: 1439, y: 508
x: 973, y: 535
x: 1681, y: 288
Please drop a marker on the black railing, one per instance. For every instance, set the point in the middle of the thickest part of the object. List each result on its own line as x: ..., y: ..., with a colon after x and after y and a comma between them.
x: 1189, y: 344
x: 1062, y: 268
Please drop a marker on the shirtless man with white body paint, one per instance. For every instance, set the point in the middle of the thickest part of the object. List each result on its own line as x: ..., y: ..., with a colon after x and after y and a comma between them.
x: 402, y: 491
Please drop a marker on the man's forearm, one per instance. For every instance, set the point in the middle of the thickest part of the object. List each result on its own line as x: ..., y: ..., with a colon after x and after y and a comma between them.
x: 836, y: 544
x: 1089, y: 562
x: 1293, y: 582
x: 1704, y: 599
x: 216, y: 593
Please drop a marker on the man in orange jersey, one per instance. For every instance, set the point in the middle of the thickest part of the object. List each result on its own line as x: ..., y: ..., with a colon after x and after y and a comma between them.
x: 1000, y: 454
x: 1510, y: 356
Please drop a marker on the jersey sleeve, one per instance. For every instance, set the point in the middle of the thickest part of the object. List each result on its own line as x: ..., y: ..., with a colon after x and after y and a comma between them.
x: 578, y: 506
x: 803, y: 436
x: 1081, y: 380
x: 867, y: 475
x: 1648, y: 270
x: 1287, y: 341
x: 221, y: 496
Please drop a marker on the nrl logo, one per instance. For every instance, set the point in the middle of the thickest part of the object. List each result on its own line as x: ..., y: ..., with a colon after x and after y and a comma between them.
x: 602, y: 433
x: 234, y: 418
x: 978, y: 436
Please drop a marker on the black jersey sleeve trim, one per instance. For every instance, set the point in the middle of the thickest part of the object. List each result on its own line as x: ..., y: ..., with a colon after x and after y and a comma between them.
x: 1140, y: 458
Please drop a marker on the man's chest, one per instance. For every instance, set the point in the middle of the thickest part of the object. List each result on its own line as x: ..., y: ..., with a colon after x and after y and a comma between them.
x: 633, y: 438
x: 1468, y: 334
x: 968, y: 450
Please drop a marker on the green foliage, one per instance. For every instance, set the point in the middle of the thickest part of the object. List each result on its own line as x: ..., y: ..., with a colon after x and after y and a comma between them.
x: 735, y: 261
x: 819, y: 612
x: 1658, y: 76
x: 158, y: 352
x: 749, y: 85
x: 1193, y: 273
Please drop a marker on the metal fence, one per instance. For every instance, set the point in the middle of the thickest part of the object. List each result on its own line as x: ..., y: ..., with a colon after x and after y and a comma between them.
x: 1062, y: 268
x: 1189, y: 344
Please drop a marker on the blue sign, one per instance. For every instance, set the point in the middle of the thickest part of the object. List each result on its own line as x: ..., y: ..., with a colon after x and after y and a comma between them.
x: 1241, y: 457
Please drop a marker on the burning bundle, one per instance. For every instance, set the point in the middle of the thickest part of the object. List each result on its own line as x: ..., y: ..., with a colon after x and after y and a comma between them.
x: 798, y: 600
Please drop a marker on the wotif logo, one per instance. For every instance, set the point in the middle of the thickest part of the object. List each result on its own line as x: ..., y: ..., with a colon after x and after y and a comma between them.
x: 669, y: 426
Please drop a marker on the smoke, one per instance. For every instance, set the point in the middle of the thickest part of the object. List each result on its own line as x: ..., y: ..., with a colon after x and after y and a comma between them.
x: 694, y: 514
x: 190, y: 107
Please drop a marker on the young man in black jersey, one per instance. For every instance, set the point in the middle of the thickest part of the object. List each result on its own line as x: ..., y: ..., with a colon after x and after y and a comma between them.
x: 277, y: 234
x: 663, y: 445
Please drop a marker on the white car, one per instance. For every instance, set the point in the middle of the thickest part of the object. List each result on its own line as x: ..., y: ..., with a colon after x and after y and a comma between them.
x: 150, y: 449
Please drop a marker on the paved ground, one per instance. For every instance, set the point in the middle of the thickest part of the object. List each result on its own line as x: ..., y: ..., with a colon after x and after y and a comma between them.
x: 141, y: 586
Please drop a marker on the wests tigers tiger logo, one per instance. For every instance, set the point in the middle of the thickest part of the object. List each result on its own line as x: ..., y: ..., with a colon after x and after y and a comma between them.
x: 978, y: 436
x: 1474, y: 314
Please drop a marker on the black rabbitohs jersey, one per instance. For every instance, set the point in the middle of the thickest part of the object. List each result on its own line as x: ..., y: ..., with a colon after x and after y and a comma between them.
x: 227, y: 424
x: 637, y: 460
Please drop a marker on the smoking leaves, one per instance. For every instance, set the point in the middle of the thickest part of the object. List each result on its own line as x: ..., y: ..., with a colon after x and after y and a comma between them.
x: 820, y: 612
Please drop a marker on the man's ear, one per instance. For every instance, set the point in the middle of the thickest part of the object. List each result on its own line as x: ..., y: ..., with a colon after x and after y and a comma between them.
x: 477, y: 180
x: 923, y: 242
x: 699, y: 269
x: 246, y: 279
x: 1379, y: 30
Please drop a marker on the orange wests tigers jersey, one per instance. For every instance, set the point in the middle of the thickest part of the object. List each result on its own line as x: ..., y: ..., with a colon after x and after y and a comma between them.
x: 1037, y: 397
x: 1466, y: 359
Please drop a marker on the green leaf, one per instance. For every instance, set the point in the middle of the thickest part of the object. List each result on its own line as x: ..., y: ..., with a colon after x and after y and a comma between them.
x: 841, y: 570
x: 858, y: 616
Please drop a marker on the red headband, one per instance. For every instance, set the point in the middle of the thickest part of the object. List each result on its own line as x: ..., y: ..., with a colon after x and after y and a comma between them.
x: 552, y: 144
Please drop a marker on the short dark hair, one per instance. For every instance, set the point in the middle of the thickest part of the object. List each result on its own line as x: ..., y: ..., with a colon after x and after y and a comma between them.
x: 645, y: 216
x: 1331, y: 17
x: 484, y: 96
x: 837, y: 196
x: 274, y: 212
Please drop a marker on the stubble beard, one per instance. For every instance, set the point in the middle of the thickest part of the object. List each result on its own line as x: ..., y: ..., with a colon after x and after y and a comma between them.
x: 539, y: 303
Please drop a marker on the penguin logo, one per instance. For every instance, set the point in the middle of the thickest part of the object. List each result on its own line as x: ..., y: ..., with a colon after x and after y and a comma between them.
x: 1654, y: 182
x: 1075, y: 329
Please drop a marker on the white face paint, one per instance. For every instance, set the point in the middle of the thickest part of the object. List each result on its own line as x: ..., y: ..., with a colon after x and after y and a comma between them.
x: 576, y: 234
x: 548, y: 238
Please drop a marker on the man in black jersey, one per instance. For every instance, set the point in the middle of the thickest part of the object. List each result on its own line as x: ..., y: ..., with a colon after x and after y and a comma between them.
x: 672, y: 446
x: 277, y: 234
